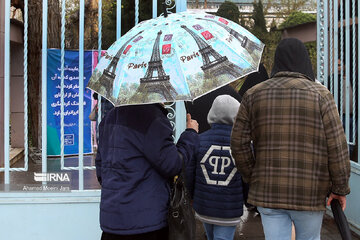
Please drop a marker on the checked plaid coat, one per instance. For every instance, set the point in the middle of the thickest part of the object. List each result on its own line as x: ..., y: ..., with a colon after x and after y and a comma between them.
x: 300, y: 150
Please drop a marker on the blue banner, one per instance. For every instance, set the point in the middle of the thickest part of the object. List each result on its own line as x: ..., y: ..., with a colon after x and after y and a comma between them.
x: 71, y: 102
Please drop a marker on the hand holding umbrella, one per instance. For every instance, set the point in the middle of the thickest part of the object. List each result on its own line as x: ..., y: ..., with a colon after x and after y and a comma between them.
x: 341, y: 199
x: 191, y: 123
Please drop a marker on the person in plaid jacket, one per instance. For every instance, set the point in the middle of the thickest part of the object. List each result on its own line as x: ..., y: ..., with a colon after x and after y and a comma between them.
x: 301, y: 152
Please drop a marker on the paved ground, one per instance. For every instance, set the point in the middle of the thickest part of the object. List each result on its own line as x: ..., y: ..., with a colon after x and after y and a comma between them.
x: 250, y: 227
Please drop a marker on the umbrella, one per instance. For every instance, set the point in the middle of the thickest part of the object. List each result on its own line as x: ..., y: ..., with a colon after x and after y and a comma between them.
x: 340, y: 220
x: 177, y: 57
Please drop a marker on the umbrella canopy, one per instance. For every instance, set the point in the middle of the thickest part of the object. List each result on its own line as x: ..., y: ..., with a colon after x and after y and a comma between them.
x: 178, y: 57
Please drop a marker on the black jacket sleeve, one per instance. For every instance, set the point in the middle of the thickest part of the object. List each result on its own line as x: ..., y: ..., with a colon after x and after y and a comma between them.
x: 161, y: 151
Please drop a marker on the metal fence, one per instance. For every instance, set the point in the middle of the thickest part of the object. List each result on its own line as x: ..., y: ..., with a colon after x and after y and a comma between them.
x: 338, y: 61
x: 176, y: 110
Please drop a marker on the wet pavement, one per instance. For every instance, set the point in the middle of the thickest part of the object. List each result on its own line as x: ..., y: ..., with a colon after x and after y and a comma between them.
x: 249, y: 228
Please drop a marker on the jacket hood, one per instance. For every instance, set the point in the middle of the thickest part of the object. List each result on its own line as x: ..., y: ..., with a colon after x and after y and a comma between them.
x: 253, y: 79
x: 292, y: 56
x: 223, y: 110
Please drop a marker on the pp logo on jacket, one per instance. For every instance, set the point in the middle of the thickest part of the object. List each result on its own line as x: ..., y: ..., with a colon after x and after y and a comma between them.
x: 218, y: 164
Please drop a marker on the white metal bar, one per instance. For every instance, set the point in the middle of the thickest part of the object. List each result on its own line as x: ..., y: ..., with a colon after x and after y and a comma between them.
x: 99, y: 110
x: 326, y: 42
x: 336, y: 53
x: 44, y: 87
x: 180, y: 5
x: 26, y: 130
x: 100, y: 28
x: 99, y: 56
x: 23, y: 169
x: 331, y: 75
x: 180, y: 119
x: 62, y: 83
x: 353, y: 73
x: 320, y: 41
x: 118, y: 19
x: 347, y: 69
x: 81, y: 94
x: 136, y: 12
x: 341, y: 57
x: 77, y: 168
x: 7, y: 93
x: 154, y: 9
x: 352, y: 140
x: 358, y: 96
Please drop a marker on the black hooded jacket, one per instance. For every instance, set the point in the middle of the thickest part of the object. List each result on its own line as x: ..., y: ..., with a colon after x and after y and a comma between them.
x: 291, y: 55
x: 253, y: 79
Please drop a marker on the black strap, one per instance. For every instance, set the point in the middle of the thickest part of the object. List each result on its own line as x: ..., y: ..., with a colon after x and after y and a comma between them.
x: 183, y: 164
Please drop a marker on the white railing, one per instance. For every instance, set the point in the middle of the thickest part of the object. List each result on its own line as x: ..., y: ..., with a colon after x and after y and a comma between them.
x: 176, y: 109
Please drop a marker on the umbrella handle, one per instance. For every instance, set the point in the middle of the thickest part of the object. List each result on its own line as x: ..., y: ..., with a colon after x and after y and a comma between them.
x: 340, y: 220
x: 164, y: 9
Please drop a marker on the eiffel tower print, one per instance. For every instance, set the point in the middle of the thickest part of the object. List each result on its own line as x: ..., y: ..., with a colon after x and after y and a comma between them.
x: 108, y: 76
x: 246, y: 43
x: 159, y: 83
x: 217, y: 67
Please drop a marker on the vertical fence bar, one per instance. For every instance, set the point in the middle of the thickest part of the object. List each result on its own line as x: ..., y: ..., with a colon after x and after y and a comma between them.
x: 99, y: 56
x: 118, y: 19
x: 331, y: 13
x: 7, y: 93
x: 358, y: 96
x: 26, y: 147
x: 154, y: 9
x: 100, y: 28
x: 180, y: 5
x: 63, y: 6
x: 44, y: 87
x: 180, y: 119
x: 322, y: 65
x: 336, y: 53
x: 353, y: 73
x: 326, y: 42
x: 81, y: 94
x: 347, y: 69
x: 341, y: 57
x: 136, y: 12
x: 320, y: 42
x: 118, y: 35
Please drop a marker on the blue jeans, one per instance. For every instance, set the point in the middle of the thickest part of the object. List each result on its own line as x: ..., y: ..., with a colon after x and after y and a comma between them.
x: 217, y: 232
x: 277, y: 223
